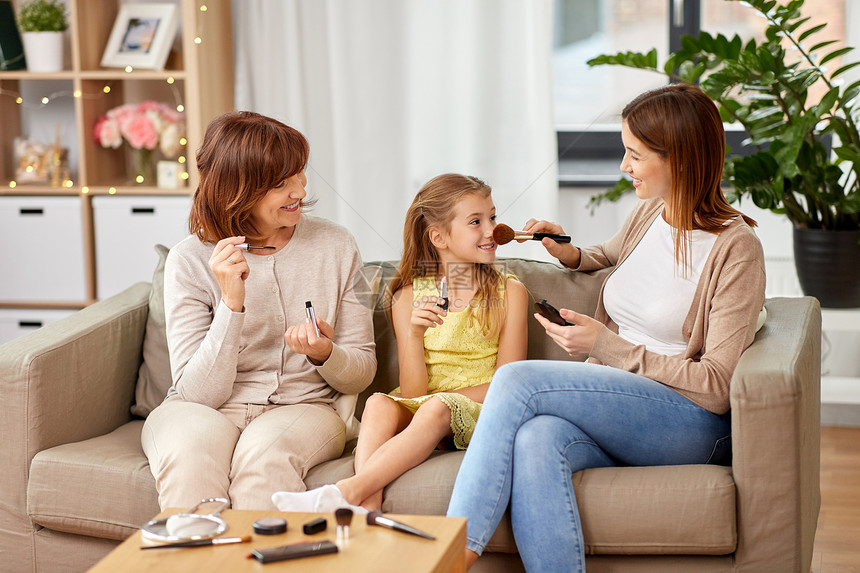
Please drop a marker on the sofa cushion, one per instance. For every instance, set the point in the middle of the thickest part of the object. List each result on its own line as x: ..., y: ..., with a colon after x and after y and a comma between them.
x: 100, y: 487
x: 154, y: 377
x: 684, y: 509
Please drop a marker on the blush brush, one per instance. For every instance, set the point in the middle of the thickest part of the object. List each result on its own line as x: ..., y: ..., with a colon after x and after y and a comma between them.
x: 502, y: 235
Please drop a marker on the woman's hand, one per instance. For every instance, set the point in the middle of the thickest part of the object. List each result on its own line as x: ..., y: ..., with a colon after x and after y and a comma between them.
x: 303, y: 339
x: 564, y: 252
x: 230, y: 268
x: 425, y: 314
x: 577, y: 340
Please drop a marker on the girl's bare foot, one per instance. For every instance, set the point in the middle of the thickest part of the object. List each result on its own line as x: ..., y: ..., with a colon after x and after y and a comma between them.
x: 471, y: 557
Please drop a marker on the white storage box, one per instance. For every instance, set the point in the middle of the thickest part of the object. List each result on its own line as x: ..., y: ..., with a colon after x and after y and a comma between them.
x: 43, y: 239
x: 15, y: 322
x: 126, y: 232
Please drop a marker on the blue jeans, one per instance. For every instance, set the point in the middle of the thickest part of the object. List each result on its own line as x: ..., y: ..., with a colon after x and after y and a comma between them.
x: 544, y: 420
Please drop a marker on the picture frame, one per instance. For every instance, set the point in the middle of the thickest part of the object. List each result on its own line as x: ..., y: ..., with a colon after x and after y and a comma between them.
x: 142, y: 36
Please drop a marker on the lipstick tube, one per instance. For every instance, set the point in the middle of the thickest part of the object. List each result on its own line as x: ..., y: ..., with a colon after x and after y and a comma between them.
x: 309, y: 312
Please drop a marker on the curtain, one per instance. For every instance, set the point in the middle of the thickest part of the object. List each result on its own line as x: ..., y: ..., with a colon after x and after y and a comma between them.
x: 391, y: 93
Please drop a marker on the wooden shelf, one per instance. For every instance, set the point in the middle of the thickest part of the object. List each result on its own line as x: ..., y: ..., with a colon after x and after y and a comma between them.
x: 41, y: 190
x: 25, y: 75
x: 70, y: 305
x: 199, y: 77
x: 106, y: 74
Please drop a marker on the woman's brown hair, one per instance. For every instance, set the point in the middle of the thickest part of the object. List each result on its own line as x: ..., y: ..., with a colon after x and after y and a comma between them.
x: 433, y: 207
x: 243, y: 156
x: 682, y: 124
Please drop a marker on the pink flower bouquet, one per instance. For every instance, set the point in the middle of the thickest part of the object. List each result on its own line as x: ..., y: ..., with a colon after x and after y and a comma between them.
x: 146, y: 125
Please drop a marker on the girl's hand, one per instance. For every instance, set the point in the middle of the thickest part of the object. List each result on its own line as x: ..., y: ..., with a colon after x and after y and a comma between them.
x: 577, y: 340
x: 564, y: 252
x: 426, y: 314
x: 230, y: 268
x: 302, y: 339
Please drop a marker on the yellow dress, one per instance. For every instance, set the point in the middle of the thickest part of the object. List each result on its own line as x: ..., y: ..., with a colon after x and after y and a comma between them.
x: 457, y: 356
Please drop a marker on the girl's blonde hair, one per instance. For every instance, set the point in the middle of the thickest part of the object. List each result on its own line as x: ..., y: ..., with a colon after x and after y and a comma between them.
x: 433, y: 206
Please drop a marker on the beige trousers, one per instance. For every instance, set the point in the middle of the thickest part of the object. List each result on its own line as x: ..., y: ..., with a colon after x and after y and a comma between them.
x: 244, y: 452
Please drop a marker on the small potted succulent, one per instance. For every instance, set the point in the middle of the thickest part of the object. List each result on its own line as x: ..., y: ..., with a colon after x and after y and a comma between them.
x: 42, y: 24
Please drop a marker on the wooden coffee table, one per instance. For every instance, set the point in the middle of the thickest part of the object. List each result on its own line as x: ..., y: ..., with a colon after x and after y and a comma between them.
x: 371, y: 548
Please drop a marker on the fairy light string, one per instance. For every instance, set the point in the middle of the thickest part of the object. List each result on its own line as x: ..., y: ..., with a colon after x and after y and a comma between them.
x: 41, y: 101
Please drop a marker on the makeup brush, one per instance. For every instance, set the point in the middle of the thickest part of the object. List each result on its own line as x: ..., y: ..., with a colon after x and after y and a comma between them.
x: 502, y: 235
x: 247, y: 247
x: 343, y: 516
x: 201, y: 542
x: 376, y: 518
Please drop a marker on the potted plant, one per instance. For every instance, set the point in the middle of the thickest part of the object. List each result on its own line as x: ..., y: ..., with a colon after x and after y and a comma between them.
x: 42, y: 24
x: 805, y: 162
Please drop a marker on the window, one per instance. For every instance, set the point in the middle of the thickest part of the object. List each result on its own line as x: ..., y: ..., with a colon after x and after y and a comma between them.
x: 588, y: 101
x: 586, y: 28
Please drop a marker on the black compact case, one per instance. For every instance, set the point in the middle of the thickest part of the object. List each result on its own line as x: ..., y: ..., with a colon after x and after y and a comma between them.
x: 549, y: 312
x: 315, y: 526
x: 270, y: 526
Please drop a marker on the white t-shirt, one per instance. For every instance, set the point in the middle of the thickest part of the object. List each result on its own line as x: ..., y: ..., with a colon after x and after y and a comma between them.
x: 648, y: 296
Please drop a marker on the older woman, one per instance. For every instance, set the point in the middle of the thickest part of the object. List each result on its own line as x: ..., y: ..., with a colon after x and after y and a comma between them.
x: 260, y: 392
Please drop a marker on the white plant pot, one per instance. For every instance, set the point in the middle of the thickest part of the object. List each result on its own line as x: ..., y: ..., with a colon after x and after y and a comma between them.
x: 44, y: 51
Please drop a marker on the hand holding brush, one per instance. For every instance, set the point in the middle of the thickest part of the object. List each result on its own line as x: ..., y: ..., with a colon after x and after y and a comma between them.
x: 559, y: 245
x: 502, y: 234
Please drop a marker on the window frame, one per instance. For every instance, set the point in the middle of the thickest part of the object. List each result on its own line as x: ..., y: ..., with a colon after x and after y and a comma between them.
x: 603, y: 144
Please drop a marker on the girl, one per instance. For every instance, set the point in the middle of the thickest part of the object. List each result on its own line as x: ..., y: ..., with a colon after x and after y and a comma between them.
x: 447, y: 355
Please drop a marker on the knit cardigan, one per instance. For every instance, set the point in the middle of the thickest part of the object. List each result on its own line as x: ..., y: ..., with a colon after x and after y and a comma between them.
x: 719, y: 326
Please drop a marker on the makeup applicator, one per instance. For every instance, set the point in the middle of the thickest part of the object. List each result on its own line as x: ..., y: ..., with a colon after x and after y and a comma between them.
x: 343, y: 516
x: 502, y: 235
x: 376, y: 518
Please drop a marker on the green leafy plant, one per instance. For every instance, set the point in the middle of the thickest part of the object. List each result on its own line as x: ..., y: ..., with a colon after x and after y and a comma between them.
x: 43, y: 16
x: 764, y: 87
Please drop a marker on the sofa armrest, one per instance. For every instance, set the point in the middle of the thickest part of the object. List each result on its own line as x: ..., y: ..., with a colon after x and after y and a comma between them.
x: 776, y: 403
x: 73, y: 379
x: 69, y: 381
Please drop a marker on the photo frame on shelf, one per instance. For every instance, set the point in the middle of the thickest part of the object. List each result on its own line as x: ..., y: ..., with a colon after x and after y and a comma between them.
x: 142, y: 36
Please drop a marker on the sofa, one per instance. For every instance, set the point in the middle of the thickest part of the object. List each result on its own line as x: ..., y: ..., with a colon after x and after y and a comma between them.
x: 76, y: 481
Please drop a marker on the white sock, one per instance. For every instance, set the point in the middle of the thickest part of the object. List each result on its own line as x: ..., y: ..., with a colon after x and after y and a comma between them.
x: 331, y: 498
x: 297, y: 500
x: 323, y: 499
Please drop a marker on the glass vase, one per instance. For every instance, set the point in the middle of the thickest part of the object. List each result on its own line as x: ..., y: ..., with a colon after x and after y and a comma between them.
x: 143, y: 170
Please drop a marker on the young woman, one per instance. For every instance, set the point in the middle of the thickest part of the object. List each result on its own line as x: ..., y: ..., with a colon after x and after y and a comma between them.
x: 258, y: 396
x: 447, y: 354
x: 671, y: 323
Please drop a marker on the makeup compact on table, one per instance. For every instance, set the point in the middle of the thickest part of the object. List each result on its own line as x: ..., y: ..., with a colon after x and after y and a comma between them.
x: 370, y: 549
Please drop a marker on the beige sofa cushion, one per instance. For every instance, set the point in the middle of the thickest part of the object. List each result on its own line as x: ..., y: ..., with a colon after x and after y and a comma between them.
x: 154, y: 377
x: 684, y: 509
x: 99, y: 487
